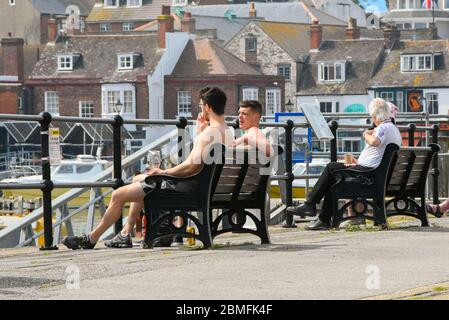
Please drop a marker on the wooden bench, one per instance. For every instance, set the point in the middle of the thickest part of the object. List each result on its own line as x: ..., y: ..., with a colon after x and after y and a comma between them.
x: 401, y: 175
x: 407, y: 181
x: 232, y: 183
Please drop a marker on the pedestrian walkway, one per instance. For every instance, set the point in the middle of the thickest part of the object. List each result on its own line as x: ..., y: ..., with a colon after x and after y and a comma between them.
x: 299, y: 264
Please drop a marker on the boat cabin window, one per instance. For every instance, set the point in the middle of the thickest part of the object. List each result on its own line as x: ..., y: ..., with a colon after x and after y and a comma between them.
x: 65, y: 169
x: 83, y: 169
x: 312, y: 170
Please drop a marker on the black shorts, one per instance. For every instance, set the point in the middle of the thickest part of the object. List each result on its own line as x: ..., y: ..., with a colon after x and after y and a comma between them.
x: 170, y: 186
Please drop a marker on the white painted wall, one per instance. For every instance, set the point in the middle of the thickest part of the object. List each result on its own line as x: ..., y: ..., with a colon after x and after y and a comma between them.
x: 342, y: 9
x: 443, y: 98
x: 344, y: 101
x: 175, y: 44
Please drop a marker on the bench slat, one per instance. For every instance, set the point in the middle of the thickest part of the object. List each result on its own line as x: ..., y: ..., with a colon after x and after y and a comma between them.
x: 233, y: 180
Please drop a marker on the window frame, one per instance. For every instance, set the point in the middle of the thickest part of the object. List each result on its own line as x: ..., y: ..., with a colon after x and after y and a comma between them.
x: 106, y: 5
x: 400, y: 101
x: 126, y: 56
x: 386, y: 96
x: 326, y: 106
x: 276, y: 101
x: 108, y: 29
x: 251, y: 40
x: 282, y: 68
x: 252, y: 92
x: 179, y: 3
x: 108, y: 107
x: 186, y: 109
x: 326, y: 68
x: 130, y: 26
x: 51, y: 107
x: 60, y: 63
x: 133, y: 5
x: 82, y: 105
x: 432, y: 100
x: 411, y: 62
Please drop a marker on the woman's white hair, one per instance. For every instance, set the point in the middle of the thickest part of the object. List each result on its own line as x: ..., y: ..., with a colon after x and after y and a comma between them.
x: 379, y: 109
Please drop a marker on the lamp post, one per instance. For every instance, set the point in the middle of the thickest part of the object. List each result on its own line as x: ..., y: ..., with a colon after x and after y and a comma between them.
x: 423, y: 102
x: 289, y: 106
x: 118, y: 107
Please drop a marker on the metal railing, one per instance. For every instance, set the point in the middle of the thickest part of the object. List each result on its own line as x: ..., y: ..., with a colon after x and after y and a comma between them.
x: 47, y: 185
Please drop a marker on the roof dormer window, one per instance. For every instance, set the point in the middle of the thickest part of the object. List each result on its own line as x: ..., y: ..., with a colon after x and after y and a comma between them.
x: 331, y: 71
x: 111, y: 3
x: 65, y: 63
x: 416, y: 62
x: 127, y: 61
x: 133, y: 3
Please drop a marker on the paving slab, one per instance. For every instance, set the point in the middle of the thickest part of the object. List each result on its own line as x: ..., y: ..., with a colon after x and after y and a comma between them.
x: 356, y: 264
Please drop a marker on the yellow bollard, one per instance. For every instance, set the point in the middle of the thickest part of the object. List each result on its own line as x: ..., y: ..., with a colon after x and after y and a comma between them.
x: 191, y: 241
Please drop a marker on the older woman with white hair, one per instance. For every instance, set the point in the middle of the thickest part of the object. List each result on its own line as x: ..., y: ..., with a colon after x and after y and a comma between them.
x: 376, y: 141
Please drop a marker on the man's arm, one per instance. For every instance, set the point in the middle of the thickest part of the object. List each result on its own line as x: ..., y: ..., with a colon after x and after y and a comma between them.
x: 194, y: 161
x: 371, y: 139
x: 256, y: 139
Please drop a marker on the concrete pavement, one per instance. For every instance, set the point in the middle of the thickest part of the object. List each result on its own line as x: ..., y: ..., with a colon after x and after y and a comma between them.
x: 297, y: 265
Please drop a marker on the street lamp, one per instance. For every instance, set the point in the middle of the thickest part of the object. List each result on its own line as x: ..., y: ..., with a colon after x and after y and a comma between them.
x: 423, y: 102
x: 118, y: 107
x: 289, y: 106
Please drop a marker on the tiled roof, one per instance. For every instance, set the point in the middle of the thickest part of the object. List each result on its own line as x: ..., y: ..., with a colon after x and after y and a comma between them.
x: 203, y: 57
x: 273, y: 11
x: 390, y: 75
x: 99, y: 57
x: 150, y: 10
x: 361, y: 58
x: 225, y: 28
x: 294, y: 38
x: 59, y: 6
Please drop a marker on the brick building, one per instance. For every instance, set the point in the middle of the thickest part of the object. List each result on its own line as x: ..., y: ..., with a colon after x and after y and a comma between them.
x: 279, y: 48
x: 16, y: 63
x: 204, y: 62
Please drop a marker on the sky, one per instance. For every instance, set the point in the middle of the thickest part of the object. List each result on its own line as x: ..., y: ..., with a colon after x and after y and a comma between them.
x: 374, y: 5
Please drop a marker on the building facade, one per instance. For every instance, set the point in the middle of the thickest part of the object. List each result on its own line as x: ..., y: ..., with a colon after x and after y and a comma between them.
x: 28, y: 19
x: 412, y: 15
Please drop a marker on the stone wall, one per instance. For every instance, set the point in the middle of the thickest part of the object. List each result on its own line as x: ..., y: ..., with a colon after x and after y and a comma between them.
x: 269, y: 55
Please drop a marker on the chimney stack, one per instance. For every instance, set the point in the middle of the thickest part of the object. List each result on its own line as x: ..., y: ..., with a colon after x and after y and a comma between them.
x: 52, y: 30
x: 188, y: 23
x: 166, y: 24
x: 252, y: 10
x: 12, y: 57
x: 353, y: 31
x: 316, y: 35
x: 391, y: 35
